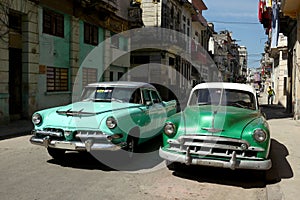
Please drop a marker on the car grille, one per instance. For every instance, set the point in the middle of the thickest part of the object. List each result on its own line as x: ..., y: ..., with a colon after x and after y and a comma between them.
x: 214, y: 146
x: 88, y: 134
x: 53, y: 132
x: 77, y: 135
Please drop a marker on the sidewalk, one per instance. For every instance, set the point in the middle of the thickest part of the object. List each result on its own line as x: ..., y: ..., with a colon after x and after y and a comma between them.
x: 15, y: 129
x: 285, y: 153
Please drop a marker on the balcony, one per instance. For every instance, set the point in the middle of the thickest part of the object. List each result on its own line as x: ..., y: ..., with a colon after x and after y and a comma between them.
x: 100, y: 5
x: 135, y: 17
x: 290, y: 8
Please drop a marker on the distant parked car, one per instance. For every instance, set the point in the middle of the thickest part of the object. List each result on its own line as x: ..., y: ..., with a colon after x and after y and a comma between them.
x: 221, y: 126
x: 109, y: 116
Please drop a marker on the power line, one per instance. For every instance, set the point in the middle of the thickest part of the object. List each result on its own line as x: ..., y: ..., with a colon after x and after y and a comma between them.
x: 224, y: 22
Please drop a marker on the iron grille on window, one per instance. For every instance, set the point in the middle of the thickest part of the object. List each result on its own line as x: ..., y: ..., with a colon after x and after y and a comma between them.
x: 57, y: 79
x: 89, y: 75
x: 90, y: 34
x: 53, y: 23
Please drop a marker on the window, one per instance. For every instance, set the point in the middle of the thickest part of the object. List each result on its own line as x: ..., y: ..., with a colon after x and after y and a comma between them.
x: 285, y: 86
x: 140, y: 59
x: 120, y: 74
x: 146, y: 96
x: 223, y: 97
x: 90, y: 34
x: 284, y: 55
x: 111, y: 76
x: 171, y: 61
x: 89, y: 75
x: 115, y: 40
x: 57, y: 79
x: 15, y: 21
x: 53, y: 23
x: 155, y: 97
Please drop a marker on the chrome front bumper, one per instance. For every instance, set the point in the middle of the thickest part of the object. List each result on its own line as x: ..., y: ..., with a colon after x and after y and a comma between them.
x: 87, y: 145
x: 232, y: 164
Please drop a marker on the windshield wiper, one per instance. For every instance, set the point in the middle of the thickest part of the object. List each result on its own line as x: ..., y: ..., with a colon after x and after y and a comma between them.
x: 203, y: 103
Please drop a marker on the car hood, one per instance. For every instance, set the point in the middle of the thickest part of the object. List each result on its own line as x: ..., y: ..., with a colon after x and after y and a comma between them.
x: 218, y: 120
x: 82, y: 114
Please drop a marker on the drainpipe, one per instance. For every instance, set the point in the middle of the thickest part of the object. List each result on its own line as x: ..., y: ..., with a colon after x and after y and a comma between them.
x: 296, y: 80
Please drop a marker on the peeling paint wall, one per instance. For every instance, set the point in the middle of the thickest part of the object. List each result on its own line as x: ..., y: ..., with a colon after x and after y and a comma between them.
x: 54, y: 52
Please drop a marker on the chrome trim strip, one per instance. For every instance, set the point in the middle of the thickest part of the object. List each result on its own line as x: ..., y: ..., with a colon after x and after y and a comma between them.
x: 75, y: 145
x: 88, y: 136
x: 232, y: 164
x: 212, y: 146
x: 212, y: 138
x: 50, y: 133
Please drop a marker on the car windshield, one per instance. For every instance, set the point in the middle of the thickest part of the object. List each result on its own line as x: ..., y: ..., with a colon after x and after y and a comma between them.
x: 108, y: 94
x: 223, y: 97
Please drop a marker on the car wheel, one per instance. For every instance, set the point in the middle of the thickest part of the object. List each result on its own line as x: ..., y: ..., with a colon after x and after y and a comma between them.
x: 131, y: 146
x: 57, y: 154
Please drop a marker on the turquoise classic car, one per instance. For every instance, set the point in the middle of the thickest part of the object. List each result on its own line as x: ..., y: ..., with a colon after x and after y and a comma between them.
x: 109, y: 116
x: 222, y: 126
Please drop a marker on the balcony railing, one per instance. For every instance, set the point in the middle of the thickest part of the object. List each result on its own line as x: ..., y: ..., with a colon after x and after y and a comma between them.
x: 111, y: 5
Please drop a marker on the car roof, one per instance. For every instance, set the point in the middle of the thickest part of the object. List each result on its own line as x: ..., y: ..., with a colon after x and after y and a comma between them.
x: 128, y: 84
x: 225, y: 85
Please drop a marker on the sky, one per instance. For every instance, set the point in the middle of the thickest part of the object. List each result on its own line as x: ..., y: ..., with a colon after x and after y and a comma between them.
x: 241, y: 18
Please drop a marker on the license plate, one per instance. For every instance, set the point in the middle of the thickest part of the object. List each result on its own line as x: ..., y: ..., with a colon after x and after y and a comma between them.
x: 209, y: 163
x: 65, y: 145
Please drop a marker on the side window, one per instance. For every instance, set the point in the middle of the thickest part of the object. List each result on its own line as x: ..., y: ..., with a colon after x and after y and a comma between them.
x: 136, y: 97
x: 155, y: 97
x: 146, y: 96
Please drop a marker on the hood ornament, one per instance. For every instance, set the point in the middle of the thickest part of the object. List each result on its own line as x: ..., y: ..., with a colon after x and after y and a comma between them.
x: 212, y: 129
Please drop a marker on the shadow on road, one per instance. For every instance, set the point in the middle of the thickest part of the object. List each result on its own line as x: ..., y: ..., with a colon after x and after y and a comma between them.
x: 146, y: 158
x: 242, y: 178
x: 281, y: 168
x: 239, y: 178
x: 275, y: 111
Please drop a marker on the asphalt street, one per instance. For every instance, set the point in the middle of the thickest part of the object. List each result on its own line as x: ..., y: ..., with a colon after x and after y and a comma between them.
x: 285, y: 149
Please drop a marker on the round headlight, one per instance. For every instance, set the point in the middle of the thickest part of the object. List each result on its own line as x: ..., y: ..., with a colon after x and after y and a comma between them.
x: 260, y: 135
x: 111, y: 122
x: 36, y: 119
x: 169, y: 128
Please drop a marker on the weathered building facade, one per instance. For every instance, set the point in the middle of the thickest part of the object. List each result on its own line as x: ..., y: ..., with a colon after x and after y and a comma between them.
x: 226, y: 56
x: 188, y: 31
x: 290, y: 26
x: 44, y: 45
x: 284, y: 59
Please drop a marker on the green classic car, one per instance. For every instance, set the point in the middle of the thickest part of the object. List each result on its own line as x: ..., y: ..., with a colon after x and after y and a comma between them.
x: 222, y: 126
x: 109, y: 116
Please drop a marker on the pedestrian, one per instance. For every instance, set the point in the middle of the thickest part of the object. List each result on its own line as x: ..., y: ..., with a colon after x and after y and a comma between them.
x: 271, y: 95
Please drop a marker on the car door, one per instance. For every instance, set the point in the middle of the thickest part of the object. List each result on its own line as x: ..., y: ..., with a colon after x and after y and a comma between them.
x: 139, y: 113
x: 157, y: 113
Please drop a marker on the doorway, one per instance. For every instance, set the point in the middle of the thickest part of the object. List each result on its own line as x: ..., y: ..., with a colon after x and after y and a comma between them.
x: 15, y: 83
